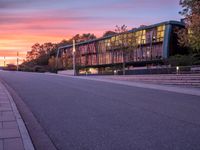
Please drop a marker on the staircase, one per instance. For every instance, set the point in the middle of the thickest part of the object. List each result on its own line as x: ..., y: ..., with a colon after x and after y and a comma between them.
x: 188, y: 80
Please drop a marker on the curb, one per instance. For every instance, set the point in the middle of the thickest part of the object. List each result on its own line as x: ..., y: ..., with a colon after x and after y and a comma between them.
x: 28, y: 145
x: 180, y: 90
x: 39, y: 137
x: 175, y: 89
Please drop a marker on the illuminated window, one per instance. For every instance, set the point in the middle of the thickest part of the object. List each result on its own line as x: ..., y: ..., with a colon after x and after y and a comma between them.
x: 140, y: 37
x: 190, y: 31
x: 143, y: 37
x: 108, y: 58
x: 125, y: 35
x: 116, y: 43
x: 113, y: 39
x: 117, y: 38
x: 130, y: 35
x: 160, y: 33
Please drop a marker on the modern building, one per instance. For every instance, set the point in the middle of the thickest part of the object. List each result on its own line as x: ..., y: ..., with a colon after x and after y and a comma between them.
x: 143, y: 46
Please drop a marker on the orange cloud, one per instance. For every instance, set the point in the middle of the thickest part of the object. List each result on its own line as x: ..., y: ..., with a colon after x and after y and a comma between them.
x: 24, y: 23
x: 10, y: 57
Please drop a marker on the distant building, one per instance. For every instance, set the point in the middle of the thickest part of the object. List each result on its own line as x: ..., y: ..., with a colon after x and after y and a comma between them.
x: 146, y: 45
x: 10, y: 67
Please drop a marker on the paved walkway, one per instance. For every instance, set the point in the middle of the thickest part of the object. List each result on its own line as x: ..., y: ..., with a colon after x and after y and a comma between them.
x: 180, y: 80
x: 13, y: 133
x: 183, y: 90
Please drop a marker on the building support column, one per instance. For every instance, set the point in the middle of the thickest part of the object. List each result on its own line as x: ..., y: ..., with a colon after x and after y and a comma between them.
x: 74, y: 58
x: 166, y: 41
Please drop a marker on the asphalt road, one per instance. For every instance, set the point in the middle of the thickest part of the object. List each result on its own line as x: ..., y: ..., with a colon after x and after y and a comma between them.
x: 80, y: 114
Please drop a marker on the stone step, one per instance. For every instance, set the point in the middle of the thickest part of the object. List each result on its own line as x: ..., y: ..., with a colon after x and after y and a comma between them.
x: 172, y: 81
x: 161, y: 75
x: 157, y: 77
x: 175, y: 83
x: 166, y: 81
x: 195, y: 80
x: 161, y: 78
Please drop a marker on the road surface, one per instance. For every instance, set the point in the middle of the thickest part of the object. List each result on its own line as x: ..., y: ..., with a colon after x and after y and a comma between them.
x: 80, y: 114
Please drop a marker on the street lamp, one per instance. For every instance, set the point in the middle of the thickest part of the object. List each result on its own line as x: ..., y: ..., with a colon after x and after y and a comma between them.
x: 115, y: 72
x: 4, y: 61
x: 57, y: 55
x: 125, y: 44
x: 108, y: 45
x: 17, y: 61
x: 177, y: 69
x: 74, y: 59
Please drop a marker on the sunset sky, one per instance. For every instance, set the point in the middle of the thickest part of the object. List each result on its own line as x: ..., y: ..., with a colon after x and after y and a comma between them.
x: 25, y: 22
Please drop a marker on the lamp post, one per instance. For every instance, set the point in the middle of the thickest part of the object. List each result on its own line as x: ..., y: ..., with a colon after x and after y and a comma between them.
x: 74, y: 59
x: 4, y: 61
x: 17, y: 61
x: 177, y: 69
x: 124, y: 57
x: 57, y: 55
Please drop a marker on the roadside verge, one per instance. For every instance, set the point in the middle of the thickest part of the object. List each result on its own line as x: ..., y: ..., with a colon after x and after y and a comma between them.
x: 182, y: 90
x: 38, y: 135
x: 14, y: 131
x: 176, y: 89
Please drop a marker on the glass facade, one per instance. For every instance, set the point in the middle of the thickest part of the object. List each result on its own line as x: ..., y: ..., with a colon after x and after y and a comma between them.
x: 135, y: 46
x: 141, y: 45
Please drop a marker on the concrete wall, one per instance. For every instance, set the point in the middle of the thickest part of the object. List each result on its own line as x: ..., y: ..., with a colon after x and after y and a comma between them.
x: 66, y: 72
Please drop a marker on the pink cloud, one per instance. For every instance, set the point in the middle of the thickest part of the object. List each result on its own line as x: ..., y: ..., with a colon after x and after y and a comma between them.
x: 24, y: 23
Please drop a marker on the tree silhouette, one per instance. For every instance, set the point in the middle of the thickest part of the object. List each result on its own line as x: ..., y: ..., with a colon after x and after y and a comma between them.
x: 191, y: 36
x: 109, y: 33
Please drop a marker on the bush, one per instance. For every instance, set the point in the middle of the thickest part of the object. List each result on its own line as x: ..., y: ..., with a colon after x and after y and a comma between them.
x: 196, y: 59
x: 41, y: 69
x: 25, y: 68
x: 182, y: 60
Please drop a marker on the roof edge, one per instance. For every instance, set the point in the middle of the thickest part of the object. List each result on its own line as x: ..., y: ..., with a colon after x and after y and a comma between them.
x: 133, y: 30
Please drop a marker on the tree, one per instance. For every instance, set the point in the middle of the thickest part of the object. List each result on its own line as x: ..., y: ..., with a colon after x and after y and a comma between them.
x: 88, y: 36
x: 82, y: 38
x: 63, y: 43
x: 181, y: 60
x: 190, y: 37
x: 120, y: 29
x: 123, y: 43
x: 44, y: 54
x: 34, y: 53
x: 109, y: 33
x: 66, y: 60
x: 39, y: 55
x: 52, y: 64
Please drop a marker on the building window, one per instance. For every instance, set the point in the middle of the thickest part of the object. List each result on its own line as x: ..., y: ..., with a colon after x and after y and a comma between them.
x: 160, y: 33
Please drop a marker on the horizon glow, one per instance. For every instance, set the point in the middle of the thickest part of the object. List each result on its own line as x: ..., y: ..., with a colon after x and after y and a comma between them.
x: 24, y: 23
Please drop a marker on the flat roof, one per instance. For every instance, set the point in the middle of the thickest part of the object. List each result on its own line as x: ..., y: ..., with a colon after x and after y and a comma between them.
x: 133, y: 30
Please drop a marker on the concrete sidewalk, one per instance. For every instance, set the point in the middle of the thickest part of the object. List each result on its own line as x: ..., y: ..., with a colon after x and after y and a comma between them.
x: 170, y: 88
x: 13, y: 133
x: 176, y: 89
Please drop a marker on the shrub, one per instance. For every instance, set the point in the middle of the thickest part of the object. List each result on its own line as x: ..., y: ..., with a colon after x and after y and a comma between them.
x: 196, y: 59
x: 181, y: 60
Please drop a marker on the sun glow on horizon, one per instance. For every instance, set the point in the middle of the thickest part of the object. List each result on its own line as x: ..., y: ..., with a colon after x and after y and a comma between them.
x: 24, y: 23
